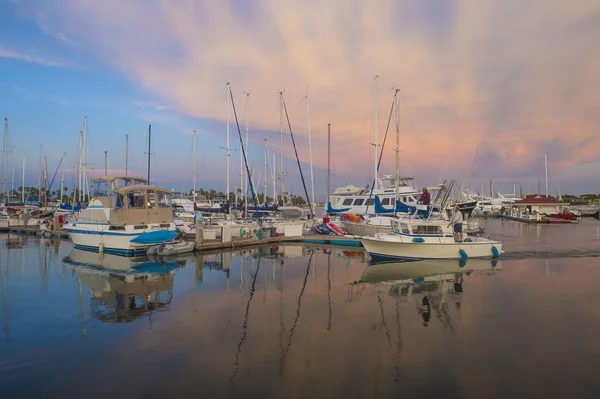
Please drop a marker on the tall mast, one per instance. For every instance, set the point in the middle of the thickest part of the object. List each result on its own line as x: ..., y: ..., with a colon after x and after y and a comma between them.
x: 546, y: 167
x: 397, y: 147
x: 265, y: 170
x: 79, y: 170
x: 40, y: 171
x: 45, y: 182
x: 375, y: 134
x: 274, y: 177
x: 126, y: 154
x: 12, y: 182
x: 4, y: 157
x: 242, y: 193
x: 247, y: 151
x: 281, y: 181
x: 149, y: 148
x: 85, y: 184
x: 228, y: 146
x: 62, y: 179
x: 23, y: 181
x: 328, y: 161
x: 194, y: 194
x: 312, y: 177
x: 106, y: 163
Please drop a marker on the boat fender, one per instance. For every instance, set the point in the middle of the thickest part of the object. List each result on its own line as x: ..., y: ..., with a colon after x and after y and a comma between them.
x: 418, y: 239
x: 463, y: 254
x: 495, y: 251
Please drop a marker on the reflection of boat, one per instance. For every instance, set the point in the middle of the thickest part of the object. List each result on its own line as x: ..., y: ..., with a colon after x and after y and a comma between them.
x: 123, y: 289
x: 424, y: 270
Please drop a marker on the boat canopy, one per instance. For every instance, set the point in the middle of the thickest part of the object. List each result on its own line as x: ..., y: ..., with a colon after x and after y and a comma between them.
x: 104, y: 186
x: 141, y: 204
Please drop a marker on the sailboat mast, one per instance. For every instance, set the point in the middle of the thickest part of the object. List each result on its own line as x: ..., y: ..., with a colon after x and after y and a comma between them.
x: 4, y: 150
x: 39, y: 187
x: 85, y: 183
x: 247, y: 151
x: 23, y: 181
x: 274, y: 177
x: 228, y: 145
x: 375, y: 134
x: 265, y: 170
x: 149, y: 149
x: 62, y: 179
x: 546, y: 167
x: 45, y: 182
x: 281, y: 181
x: 397, y: 148
x: 106, y: 163
x: 241, y: 174
x: 312, y: 178
x: 126, y: 154
x: 194, y: 193
x: 328, y: 161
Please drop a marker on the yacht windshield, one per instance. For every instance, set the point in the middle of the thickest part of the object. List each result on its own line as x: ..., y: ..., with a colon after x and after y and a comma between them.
x: 101, y: 188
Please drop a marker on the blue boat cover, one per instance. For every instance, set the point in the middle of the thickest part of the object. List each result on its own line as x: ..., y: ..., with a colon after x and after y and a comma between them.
x: 331, y: 210
x: 155, y: 237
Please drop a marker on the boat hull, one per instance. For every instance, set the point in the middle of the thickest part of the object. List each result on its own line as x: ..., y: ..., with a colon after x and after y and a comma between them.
x: 413, y: 250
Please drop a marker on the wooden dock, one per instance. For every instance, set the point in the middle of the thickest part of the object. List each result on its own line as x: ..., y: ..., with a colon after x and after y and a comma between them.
x: 211, y: 245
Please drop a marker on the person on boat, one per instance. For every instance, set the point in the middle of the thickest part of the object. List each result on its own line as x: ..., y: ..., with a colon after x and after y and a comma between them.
x: 457, y: 221
x: 425, y: 197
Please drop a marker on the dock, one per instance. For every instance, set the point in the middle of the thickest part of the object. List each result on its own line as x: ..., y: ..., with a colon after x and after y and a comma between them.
x: 211, y: 245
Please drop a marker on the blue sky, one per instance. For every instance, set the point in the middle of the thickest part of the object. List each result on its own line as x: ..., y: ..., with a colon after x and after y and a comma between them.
x: 514, y: 81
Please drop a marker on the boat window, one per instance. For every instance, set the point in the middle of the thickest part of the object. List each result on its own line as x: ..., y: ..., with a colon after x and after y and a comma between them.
x: 116, y: 228
x: 370, y: 201
x: 164, y: 200
x: 137, y: 199
x: 386, y: 201
x: 140, y: 227
x: 348, y: 201
x: 117, y: 201
x: 428, y: 230
x: 151, y: 199
x: 359, y: 201
x: 404, y: 199
x: 101, y: 188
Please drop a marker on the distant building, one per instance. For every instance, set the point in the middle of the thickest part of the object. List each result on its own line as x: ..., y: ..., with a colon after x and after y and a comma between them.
x: 538, y: 203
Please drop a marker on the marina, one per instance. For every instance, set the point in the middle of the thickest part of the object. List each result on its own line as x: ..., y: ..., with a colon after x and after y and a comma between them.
x: 289, y: 317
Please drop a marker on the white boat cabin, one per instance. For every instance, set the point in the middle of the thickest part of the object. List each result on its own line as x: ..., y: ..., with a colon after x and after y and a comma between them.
x: 421, y: 228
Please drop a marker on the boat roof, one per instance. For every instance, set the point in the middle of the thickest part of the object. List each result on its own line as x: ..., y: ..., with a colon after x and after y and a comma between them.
x: 128, y: 189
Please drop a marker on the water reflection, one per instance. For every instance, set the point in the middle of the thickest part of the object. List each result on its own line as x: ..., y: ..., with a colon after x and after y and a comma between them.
x: 122, y: 289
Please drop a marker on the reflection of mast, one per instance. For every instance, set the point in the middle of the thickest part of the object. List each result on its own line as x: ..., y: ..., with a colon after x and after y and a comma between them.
x: 244, y: 327
x: 4, y: 293
x: 289, y: 341
x: 388, y: 335
x: 329, y: 289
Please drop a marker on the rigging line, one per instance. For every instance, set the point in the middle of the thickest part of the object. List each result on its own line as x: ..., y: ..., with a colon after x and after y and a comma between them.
x: 381, y: 155
x: 237, y: 123
x: 297, y: 158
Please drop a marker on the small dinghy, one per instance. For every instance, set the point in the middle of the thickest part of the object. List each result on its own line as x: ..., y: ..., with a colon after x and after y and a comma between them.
x: 336, y: 230
x: 172, y: 248
x: 322, y: 229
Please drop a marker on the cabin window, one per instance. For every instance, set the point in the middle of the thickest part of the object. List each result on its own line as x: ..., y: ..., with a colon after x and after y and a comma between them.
x: 428, y: 230
x: 140, y: 227
x: 359, y: 201
x: 386, y: 201
x: 165, y: 225
x: 101, y: 188
x: 117, y: 228
x: 137, y: 199
x: 117, y: 200
x: 370, y: 201
x: 404, y: 228
x: 152, y: 199
x: 164, y: 200
x: 348, y: 201
x: 404, y: 199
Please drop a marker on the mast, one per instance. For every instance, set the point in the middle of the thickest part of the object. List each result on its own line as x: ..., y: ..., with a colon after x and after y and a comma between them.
x: 194, y: 192
x: 274, y: 177
x: 85, y: 184
x: 546, y: 167
x: 312, y: 178
x: 248, y: 151
x: 265, y: 170
x: 375, y: 135
x: 149, y: 148
x: 79, y: 169
x: 126, y: 154
x: 45, y: 182
x: 62, y: 179
x: 328, y: 161
x: 106, y: 163
x: 40, y: 171
x: 281, y: 177
x: 397, y: 148
x: 4, y: 150
x: 12, y: 183
x: 228, y: 146
x: 241, y: 174
x: 23, y: 181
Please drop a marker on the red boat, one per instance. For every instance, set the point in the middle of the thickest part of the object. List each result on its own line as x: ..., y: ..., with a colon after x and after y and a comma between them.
x: 568, y: 216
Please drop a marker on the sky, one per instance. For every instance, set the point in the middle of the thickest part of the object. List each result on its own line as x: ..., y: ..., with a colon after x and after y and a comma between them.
x: 486, y: 88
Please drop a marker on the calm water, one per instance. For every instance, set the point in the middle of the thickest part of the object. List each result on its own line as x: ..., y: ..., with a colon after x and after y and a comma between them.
x: 304, y: 322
